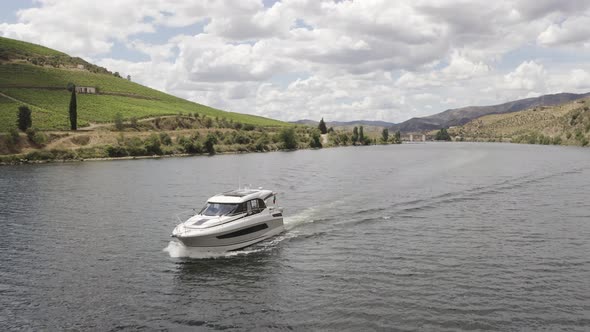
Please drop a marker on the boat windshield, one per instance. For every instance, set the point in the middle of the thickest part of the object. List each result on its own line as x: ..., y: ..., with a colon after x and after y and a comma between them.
x: 220, y: 209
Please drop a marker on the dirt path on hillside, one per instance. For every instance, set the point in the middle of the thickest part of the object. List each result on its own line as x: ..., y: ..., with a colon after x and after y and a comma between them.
x: 14, y: 99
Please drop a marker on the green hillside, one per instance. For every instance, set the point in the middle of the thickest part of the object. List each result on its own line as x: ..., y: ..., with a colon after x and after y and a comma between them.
x: 43, y: 89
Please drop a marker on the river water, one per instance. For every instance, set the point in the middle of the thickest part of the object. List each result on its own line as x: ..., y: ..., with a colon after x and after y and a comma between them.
x: 438, y: 236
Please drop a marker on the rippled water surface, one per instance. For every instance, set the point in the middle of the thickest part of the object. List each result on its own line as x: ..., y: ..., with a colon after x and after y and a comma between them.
x: 417, y: 236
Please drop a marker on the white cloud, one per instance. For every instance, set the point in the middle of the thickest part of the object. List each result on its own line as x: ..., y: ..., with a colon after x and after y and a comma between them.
x: 529, y: 76
x: 573, y: 31
x: 342, y: 60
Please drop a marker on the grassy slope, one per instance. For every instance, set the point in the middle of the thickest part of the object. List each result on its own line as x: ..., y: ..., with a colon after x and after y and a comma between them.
x: 18, y: 80
x: 17, y: 47
x: 570, y: 122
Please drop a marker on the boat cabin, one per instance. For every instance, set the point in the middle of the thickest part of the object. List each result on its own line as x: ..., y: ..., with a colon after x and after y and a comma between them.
x: 237, y: 202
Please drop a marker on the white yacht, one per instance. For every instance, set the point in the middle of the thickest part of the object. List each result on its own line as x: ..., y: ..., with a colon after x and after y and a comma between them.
x: 232, y: 220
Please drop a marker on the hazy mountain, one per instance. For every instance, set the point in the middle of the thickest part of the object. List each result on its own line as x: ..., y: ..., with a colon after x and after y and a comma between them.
x: 346, y: 123
x: 460, y: 116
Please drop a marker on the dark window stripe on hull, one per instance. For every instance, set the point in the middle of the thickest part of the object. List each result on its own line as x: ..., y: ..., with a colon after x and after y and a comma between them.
x: 244, y: 231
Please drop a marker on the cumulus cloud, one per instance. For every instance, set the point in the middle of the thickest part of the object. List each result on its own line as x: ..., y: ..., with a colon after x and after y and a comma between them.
x: 529, y: 76
x: 572, y: 31
x: 341, y: 60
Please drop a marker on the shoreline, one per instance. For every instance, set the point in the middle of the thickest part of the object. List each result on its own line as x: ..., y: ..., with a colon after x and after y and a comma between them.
x: 178, y: 155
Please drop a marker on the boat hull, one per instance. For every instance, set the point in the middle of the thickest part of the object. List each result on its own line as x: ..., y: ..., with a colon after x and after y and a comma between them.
x: 234, y: 238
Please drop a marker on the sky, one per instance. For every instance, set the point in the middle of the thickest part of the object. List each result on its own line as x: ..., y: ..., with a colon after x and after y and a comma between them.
x: 308, y: 59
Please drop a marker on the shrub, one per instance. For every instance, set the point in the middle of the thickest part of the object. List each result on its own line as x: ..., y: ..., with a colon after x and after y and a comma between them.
x: 13, y: 137
x: 116, y: 151
x: 39, y: 155
x: 24, y: 118
x: 315, y: 140
x: 210, y: 142
x: 39, y: 138
x: 249, y: 127
x: 64, y: 154
x: 135, y: 147
x: 153, y: 145
x: 240, y: 138
x: 288, y: 138
x: 118, y: 121
x: 165, y: 139
x: 81, y: 140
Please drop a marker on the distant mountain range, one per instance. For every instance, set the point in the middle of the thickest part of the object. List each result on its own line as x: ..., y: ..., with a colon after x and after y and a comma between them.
x: 346, y: 123
x: 456, y: 116
x: 460, y: 116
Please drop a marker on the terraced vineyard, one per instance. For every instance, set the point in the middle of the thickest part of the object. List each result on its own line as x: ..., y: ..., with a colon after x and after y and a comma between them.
x: 43, y: 89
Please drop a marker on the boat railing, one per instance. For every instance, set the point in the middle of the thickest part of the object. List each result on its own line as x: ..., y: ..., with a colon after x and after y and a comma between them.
x: 185, y: 215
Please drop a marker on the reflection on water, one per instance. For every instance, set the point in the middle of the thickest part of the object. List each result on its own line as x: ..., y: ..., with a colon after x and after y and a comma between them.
x: 428, y: 236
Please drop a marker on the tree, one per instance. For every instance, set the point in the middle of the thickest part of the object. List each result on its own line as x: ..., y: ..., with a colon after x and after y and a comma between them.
x: 398, y: 137
x: 119, y: 121
x: 153, y: 145
x: 210, y: 142
x: 73, y: 110
x: 355, y: 135
x: 24, y: 118
x: 287, y: 136
x: 315, y: 140
x: 361, y: 135
x: 385, y: 135
x: 443, y: 135
x: 322, y: 126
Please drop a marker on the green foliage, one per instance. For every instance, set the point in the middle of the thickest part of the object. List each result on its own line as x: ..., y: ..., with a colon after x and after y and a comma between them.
x: 153, y: 145
x: 210, y: 142
x: 36, y: 137
x: 118, y: 121
x: 315, y: 140
x: 322, y: 127
x: 165, y: 139
x: 398, y: 137
x: 13, y: 137
x: 288, y: 138
x: 249, y: 127
x: 361, y: 137
x: 442, y: 135
x: 262, y: 142
x: 46, y: 155
x: 24, y: 118
x: 116, y: 151
x: 73, y: 111
x: 385, y: 135
x: 355, y: 135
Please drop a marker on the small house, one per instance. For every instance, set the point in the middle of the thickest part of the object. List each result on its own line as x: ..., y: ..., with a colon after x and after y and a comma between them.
x: 86, y: 89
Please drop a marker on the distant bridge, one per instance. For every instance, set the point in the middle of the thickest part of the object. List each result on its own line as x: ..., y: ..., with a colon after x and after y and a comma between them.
x: 416, y: 138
